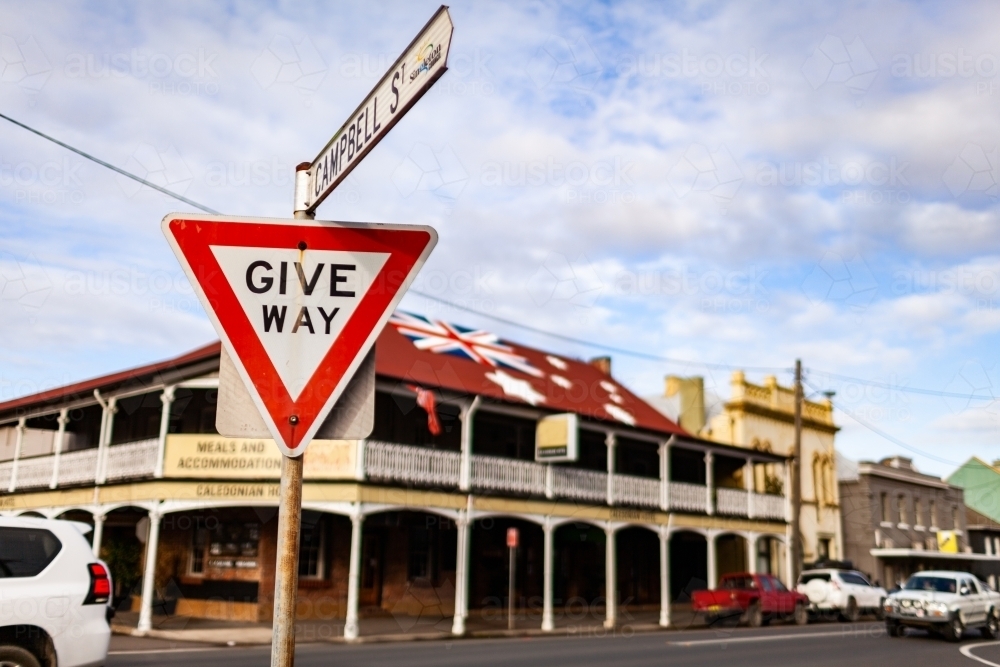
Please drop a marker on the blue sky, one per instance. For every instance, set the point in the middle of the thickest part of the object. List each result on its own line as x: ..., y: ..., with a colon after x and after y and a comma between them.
x: 714, y: 182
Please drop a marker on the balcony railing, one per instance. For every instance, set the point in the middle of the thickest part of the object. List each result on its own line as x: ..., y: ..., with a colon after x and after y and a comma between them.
x: 421, y: 466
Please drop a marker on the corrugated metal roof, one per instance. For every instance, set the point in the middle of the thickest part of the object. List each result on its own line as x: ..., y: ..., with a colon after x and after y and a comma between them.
x: 558, y: 383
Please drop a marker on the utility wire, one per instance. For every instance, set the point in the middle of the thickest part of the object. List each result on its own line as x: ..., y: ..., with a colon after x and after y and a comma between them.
x: 894, y: 440
x: 551, y: 334
x: 588, y: 343
x: 110, y: 166
x: 900, y: 388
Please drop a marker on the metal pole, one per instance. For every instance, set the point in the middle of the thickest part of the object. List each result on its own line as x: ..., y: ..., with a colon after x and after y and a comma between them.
x: 796, y: 482
x: 286, y: 569
x: 510, y: 590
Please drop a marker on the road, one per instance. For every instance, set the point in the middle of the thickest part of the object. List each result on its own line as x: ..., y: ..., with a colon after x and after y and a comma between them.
x: 815, y: 645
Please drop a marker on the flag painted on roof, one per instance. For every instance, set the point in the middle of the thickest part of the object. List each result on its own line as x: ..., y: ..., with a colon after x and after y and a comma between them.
x: 475, y: 345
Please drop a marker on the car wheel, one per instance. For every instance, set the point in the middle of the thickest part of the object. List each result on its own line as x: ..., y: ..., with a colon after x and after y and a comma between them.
x: 800, y: 615
x: 15, y: 656
x: 955, y: 629
x: 851, y: 612
x: 880, y: 610
x: 754, y: 616
x: 992, y: 628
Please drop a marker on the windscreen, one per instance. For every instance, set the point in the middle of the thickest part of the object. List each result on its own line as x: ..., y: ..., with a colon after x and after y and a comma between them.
x: 937, y: 584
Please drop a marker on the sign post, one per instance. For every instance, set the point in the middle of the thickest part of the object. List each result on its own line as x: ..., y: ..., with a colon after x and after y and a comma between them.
x: 513, y: 537
x: 298, y: 306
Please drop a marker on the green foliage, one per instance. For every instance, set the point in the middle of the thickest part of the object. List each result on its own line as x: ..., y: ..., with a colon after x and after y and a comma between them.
x: 123, y: 557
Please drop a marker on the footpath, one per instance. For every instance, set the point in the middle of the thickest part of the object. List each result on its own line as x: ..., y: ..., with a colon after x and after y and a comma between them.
x: 394, y: 628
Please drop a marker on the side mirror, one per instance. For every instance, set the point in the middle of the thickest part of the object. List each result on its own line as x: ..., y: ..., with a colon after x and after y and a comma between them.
x: 964, y: 590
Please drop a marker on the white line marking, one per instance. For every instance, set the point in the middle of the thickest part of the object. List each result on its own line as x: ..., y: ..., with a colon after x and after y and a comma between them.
x: 967, y: 652
x: 154, y: 651
x: 766, y: 638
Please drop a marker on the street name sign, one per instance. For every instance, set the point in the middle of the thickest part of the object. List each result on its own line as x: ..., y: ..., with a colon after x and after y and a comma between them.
x: 298, y: 304
x: 421, y: 65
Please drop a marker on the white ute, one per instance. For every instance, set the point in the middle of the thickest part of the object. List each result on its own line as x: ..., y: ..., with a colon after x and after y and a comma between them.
x: 943, y: 602
x: 54, y: 595
x: 846, y: 593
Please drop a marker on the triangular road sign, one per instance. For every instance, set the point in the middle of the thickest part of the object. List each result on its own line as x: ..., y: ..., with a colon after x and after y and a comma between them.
x: 297, y: 303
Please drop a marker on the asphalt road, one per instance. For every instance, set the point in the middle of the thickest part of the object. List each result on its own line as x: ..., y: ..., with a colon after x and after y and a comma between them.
x: 815, y: 646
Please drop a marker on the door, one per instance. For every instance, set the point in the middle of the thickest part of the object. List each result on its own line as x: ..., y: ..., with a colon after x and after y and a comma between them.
x: 973, y: 601
x: 370, y: 594
x: 784, y: 600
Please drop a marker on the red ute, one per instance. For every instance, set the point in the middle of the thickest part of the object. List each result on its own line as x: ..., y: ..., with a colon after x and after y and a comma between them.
x: 755, y: 598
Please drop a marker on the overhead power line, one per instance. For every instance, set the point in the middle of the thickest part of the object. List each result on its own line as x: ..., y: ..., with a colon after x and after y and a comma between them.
x: 513, y: 323
x: 592, y: 344
x: 110, y: 166
x: 894, y: 440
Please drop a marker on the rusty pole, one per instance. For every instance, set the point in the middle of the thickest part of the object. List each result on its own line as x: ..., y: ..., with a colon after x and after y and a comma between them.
x: 286, y: 569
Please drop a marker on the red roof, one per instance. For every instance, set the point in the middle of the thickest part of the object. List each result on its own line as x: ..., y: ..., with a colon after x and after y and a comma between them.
x: 558, y: 383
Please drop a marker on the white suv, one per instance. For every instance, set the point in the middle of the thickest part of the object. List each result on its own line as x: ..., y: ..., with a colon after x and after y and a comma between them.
x: 54, y: 595
x: 846, y: 593
x: 944, y: 602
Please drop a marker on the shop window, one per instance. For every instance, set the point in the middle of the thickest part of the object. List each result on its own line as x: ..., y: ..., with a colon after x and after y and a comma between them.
x: 227, y: 546
x: 311, y: 547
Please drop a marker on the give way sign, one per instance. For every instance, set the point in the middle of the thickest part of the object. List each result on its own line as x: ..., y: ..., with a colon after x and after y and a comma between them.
x: 297, y: 303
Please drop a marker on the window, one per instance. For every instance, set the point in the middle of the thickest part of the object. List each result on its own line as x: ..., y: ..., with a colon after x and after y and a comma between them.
x: 885, y: 514
x: 25, y: 552
x: 737, y: 583
x: 199, y: 541
x: 821, y: 576
x: 854, y: 579
x: 934, y: 516
x: 955, y: 525
x: 778, y: 586
x: 420, y: 553
x: 918, y: 512
x: 230, y: 544
x: 765, y: 583
x: 311, y: 546
x: 903, y: 515
x: 823, y: 548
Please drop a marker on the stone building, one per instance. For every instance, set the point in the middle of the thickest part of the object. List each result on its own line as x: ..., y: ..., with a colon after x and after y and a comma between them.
x: 762, y: 418
x: 412, y: 520
x: 896, y: 518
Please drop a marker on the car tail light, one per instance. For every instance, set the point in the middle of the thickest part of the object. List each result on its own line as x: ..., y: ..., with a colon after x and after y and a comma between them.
x: 100, y: 585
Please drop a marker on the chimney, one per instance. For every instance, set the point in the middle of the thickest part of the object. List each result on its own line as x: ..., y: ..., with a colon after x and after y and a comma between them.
x: 692, y: 401
x: 602, y: 364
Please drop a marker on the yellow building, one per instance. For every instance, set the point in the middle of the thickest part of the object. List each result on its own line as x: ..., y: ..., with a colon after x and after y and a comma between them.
x: 762, y: 417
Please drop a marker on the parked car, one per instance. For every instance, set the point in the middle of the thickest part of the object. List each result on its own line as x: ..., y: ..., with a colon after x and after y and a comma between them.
x: 54, y: 595
x: 753, y: 598
x: 846, y: 593
x: 943, y: 602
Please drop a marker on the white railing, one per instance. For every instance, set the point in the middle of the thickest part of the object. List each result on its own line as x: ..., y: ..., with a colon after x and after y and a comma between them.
x: 632, y: 490
x: 579, y: 484
x: 79, y: 467
x: 6, y: 469
x: 731, y: 501
x: 767, y: 506
x: 34, y: 472
x: 402, y: 463
x: 501, y: 474
x: 135, y: 459
x: 688, y: 497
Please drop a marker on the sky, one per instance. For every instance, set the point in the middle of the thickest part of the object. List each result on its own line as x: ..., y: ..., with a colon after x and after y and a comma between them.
x: 718, y: 185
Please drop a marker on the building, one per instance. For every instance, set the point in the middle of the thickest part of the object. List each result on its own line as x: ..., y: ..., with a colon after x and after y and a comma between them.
x: 762, y: 418
x: 898, y: 521
x: 411, y: 520
x: 981, y: 483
